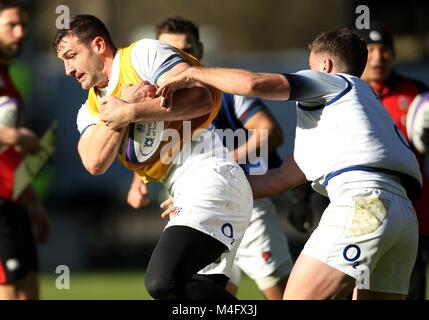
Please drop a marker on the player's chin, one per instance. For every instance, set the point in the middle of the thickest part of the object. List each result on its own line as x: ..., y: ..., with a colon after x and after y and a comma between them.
x: 86, y: 85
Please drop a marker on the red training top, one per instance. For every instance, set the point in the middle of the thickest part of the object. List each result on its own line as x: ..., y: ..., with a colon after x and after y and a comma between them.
x: 396, y: 94
x: 9, y: 157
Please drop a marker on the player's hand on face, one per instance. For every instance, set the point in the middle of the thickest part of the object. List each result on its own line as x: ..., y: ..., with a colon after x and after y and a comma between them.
x: 115, y: 113
x: 167, y: 205
x: 39, y: 218
x: 173, y: 83
x: 137, y: 195
x: 28, y: 142
x: 138, y: 92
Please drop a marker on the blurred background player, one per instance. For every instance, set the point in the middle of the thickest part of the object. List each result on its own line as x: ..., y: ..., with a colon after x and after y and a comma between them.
x: 264, y: 252
x: 18, y: 252
x: 396, y: 93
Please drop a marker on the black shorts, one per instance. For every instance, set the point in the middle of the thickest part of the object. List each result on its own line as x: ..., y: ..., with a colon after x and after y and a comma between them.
x: 18, y: 252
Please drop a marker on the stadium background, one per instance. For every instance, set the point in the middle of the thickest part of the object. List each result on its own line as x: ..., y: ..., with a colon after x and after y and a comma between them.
x: 105, y: 244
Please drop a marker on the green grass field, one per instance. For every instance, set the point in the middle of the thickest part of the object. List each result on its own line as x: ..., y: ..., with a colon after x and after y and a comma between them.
x: 121, y: 285
x: 117, y: 286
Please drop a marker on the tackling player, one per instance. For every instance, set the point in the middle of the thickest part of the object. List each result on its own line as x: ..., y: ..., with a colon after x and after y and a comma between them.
x: 350, y: 148
x: 210, y: 188
x: 264, y: 252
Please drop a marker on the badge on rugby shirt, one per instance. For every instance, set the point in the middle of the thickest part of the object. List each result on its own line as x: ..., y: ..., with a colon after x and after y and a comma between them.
x: 267, y: 256
x: 141, y: 141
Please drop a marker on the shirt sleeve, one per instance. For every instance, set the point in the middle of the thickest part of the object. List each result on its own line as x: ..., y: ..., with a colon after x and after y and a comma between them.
x: 152, y: 58
x: 314, y: 88
x: 246, y: 107
x: 85, y: 119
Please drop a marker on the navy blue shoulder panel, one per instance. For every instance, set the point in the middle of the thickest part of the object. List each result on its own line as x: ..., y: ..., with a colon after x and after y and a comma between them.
x: 226, y: 117
x: 336, y: 98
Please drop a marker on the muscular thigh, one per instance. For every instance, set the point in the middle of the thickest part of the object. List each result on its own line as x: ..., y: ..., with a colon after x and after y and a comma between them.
x: 363, y: 235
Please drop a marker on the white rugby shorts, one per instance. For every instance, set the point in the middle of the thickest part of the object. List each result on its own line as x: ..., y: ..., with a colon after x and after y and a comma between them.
x: 264, y: 253
x: 371, y: 235
x: 214, y: 197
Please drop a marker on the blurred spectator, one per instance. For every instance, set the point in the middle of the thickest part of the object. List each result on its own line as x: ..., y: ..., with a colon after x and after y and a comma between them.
x: 18, y: 253
x: 397, y: 92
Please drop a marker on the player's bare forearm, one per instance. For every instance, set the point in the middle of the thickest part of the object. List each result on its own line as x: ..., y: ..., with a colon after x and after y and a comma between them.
x: 267, y: 185
x: 98, y: 147
x: 187, y: 104
x: 242, y: 82
x: 277, y: 181
x: 265, y: 130
x: 137, y: 181
x: 251, y: 147
x: 138, y: 192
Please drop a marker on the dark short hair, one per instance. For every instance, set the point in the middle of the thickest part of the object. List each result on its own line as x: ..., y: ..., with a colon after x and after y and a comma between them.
x: 86, y: 28
x: 177, y: 24
x: 7, y: 4
x: 347, y: 46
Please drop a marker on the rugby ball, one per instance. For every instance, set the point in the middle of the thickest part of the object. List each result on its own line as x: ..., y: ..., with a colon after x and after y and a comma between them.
x: 8, y: 112
x: 141, y: 141
x: 418, y: 120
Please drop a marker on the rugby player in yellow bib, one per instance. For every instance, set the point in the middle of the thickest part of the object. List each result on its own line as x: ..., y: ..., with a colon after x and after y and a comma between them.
x: 213, y: 197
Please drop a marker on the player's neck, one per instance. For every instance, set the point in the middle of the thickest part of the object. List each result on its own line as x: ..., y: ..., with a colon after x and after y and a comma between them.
x: 107, y: 70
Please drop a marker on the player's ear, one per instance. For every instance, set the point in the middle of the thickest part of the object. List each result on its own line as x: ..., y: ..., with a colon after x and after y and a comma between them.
x: 328, y: 65
x: 98, y: 44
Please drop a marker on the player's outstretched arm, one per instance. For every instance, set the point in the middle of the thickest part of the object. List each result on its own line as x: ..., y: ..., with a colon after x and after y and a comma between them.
x: 186, y: 104
x: 276, y: 181
x: 98, y: 146
x: 235, y: 81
